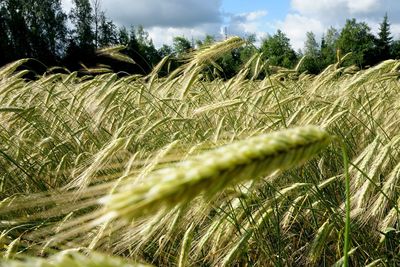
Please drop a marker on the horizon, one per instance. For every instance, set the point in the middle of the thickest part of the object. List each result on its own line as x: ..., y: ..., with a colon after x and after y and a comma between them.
x: 195, y: 19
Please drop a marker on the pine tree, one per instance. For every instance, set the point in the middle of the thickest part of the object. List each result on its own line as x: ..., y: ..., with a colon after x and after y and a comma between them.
x: 123, y: 36
x: 384, y: 40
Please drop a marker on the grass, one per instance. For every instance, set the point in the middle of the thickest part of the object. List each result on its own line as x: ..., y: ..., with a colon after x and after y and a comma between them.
x: 272, y: 167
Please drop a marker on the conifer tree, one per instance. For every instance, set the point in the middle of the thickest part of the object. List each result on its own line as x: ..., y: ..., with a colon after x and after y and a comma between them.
x: 384, y: 40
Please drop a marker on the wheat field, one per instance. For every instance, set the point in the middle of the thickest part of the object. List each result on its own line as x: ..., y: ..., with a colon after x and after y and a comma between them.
x: 270, y: 168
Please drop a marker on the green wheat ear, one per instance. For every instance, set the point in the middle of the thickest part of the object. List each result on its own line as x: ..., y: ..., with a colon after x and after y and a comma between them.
x: 214, y: 170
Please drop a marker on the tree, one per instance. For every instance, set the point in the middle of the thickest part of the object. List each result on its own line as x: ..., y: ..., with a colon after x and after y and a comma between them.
x: 18, y: 29
x: 47, y: 30
x: 208, y: 40
x: 146, y: 47
x: 32, y: 28
x: 165, y: 50
x: 81, y: 42
x: 98, y: 15
x: 312, y: 61
x: 329, y: 46
x: 123, y: 36
x: 249, y: 49
x: 311, y: 47
x: 356, y: 37
x: 230, y: 62
x: 5, y: 42
x: 395, y: 49
x: 181, y: 46
x: 107, y: 32
x: 141, y: 49
x: 384, y: 39
x: 82, y: 19
x: 278, y: 50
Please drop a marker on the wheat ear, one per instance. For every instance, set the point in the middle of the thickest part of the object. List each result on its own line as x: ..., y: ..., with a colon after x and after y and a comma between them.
x: 214, y: 170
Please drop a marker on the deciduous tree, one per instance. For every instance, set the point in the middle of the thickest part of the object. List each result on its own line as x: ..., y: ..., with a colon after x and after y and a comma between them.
x: 278, y: 50
x: 356, y: 37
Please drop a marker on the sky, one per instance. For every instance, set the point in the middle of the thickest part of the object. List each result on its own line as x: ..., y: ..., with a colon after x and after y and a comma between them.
x: 193, y: 19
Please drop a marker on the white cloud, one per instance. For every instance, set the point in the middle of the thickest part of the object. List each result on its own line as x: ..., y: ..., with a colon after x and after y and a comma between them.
x: 295, y: 26
x: 150, y: 13
x: 237, y: 24
x: 244, y: 24
x: 363, y: 6
x: 318, y: 15
x: 165, y: 35
x: 189, y: 18
x: 317, y: 7
x: 255, y: 15
x: 171, y: 13
x: 336, y: 11
x: 196, y: 18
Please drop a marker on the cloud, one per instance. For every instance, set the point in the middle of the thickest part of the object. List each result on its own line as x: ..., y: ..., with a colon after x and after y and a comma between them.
x: 319, y: 15
x: 362, y: 6
x: 196, y: 18
x: 335, y: 11
x: 237, y: 24
x: 295, y: 26
x: 244, y: 24
x: 151, y: 13
x: 189, y: 18
x: 320, y: 7
x: 395, y: 28
x: 171, y: 13
x: 164, y: 20
x: 165, y: 35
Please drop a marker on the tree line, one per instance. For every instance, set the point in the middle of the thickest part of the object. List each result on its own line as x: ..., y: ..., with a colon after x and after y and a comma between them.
x: 42, y: 30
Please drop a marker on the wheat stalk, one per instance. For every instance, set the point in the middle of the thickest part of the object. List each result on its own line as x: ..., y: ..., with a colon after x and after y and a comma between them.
x: 214, y: 170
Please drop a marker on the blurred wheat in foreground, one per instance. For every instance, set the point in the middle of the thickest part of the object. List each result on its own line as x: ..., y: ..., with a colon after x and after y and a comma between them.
x: 190, y: 169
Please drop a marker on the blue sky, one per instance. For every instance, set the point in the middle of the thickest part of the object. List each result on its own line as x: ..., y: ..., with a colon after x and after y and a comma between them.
x: 276, y: 10
x: 164, y: 19
x: 269, y: 12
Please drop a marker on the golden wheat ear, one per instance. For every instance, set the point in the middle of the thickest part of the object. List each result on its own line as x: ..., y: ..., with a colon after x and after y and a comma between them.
x: 217, y: 169
x: 207, y: 173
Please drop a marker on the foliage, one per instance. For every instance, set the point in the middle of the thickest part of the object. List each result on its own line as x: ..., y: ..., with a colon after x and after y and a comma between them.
x: 356, y: 37
x: 41, y: 30
x: 384, y: 39
x: 32, y: 28
x: 107, y: 32
x: 82, y: 19
x: 329, y: 46
x: 181, y: 46
x: 395, y: 49
x: 278, y: 50
x: 208, y: 40
x: 313, y: 57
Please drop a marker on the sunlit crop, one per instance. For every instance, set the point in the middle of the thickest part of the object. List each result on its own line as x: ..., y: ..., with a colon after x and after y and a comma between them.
x: 191, y: 169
